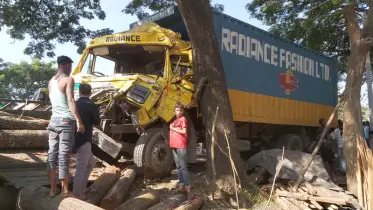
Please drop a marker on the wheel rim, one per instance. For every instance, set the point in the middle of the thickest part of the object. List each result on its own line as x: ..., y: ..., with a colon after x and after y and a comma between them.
x: 159, y: 154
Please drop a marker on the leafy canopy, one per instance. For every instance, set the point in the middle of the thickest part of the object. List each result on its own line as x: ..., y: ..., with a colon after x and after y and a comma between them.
x: 20, y: 81
x: 142, y: 8
x: 318, y: 24
x: 48, y: 21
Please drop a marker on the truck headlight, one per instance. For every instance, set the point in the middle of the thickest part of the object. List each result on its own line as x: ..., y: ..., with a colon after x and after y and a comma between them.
x: 138, y: 93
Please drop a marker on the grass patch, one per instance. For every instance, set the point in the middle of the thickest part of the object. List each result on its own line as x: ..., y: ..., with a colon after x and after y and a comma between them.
x: 252, y: 193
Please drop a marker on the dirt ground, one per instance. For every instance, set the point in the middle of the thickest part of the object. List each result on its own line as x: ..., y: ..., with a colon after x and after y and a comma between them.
x: 197, y: 173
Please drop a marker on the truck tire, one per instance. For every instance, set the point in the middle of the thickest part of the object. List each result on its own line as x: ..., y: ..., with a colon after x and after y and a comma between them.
x: 152, y: 154
x: 291, y: 142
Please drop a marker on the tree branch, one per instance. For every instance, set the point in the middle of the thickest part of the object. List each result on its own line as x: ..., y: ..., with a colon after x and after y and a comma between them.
x: 353, y: 28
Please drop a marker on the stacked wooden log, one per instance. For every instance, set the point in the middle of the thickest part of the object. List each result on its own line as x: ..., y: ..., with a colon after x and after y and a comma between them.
x: 314, y: 197
x: 110, y: 192
x: 22, y: 133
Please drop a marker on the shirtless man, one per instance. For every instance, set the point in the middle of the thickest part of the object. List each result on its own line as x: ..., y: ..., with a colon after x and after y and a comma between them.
x: 65, y: 119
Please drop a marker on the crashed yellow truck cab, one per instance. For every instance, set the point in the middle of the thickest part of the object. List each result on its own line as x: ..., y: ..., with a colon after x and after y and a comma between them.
x: 136, y: 84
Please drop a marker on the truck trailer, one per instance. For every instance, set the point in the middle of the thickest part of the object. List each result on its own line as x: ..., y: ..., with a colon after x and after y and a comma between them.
x: 279, y: 90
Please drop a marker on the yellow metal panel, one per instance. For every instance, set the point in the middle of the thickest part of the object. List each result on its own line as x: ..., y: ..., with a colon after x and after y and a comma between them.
x: 251, y: 107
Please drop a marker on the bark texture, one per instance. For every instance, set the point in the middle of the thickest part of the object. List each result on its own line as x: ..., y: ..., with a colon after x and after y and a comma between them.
x: 360, y: 40
x: 6, y: 114
x: 119, y: 191
x: 32, y: 198
x: 170, y: 203
x: 194, y: 204
x: 23, y: 139
x: 207, y: 63
x: 102, y: 185
x: 8, y: 196
x: 46, y: 115
x: 143, y: 201
x: 21, y: 124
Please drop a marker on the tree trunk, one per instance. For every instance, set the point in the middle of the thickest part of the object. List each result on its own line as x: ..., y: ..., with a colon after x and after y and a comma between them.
x: 32, y: 198
x: 207, y: 63
x: 23, y: 139
x: 170, y: 203
x: 195, y: 204
x: 352, y: 127
x: 102, y: 185
x: 119, y: 191
x: 143, y: 201
x: 15, y: 124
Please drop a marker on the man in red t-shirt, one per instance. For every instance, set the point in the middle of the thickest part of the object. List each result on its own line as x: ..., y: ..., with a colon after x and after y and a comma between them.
x: 178, y: 144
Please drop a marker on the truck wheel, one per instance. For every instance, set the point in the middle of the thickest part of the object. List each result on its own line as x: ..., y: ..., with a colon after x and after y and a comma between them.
x: 152, y: 154
x: 291, y: 142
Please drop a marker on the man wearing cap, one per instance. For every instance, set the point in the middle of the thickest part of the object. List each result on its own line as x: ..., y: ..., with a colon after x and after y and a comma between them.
x: 64, y: 120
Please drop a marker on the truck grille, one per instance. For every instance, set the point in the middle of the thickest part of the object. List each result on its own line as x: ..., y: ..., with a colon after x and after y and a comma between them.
x: 138, y: 93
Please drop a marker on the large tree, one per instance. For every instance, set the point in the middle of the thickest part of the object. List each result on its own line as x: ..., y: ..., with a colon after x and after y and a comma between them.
x: 336, y: 28
x: 318, y: 24
x: 46, y: 22
x: 144, y: 8
x: 207, y: 63
x: 20, y: 81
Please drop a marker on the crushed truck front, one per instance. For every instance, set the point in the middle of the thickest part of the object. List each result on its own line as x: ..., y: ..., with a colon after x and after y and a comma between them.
x: 151, y: 71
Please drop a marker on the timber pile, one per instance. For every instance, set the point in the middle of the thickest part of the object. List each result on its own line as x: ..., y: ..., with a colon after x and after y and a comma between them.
x: 22, y: 133
x: 314, y: 197
x: 109, y: 191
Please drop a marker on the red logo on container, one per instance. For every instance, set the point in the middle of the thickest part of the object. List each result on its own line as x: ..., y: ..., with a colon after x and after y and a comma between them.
x: 288, y: 82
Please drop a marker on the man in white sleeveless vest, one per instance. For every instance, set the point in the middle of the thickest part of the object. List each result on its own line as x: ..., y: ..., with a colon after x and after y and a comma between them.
x: 64, y: 122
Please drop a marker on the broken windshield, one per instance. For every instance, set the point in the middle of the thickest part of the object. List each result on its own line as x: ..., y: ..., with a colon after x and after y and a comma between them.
x: 125, y: 59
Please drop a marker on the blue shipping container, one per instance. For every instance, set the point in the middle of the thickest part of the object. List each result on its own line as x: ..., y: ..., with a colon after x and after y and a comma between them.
x: 257, y: 62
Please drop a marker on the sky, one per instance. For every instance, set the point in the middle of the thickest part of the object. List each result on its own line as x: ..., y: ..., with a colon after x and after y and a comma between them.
x: 118, y: 21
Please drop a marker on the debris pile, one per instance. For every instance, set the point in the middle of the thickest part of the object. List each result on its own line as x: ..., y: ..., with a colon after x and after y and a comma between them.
x: 314, y: 197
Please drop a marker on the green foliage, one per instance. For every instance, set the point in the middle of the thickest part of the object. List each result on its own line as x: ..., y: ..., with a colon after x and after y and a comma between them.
x: 318, y: 24
x: 20, y: 81
x: 47, y: 22
x: 141, y: 8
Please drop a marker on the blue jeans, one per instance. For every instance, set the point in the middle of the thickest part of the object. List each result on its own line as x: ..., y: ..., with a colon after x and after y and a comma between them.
x: 85, y: 162
x: 181, y: 161
x: 61, y: 141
